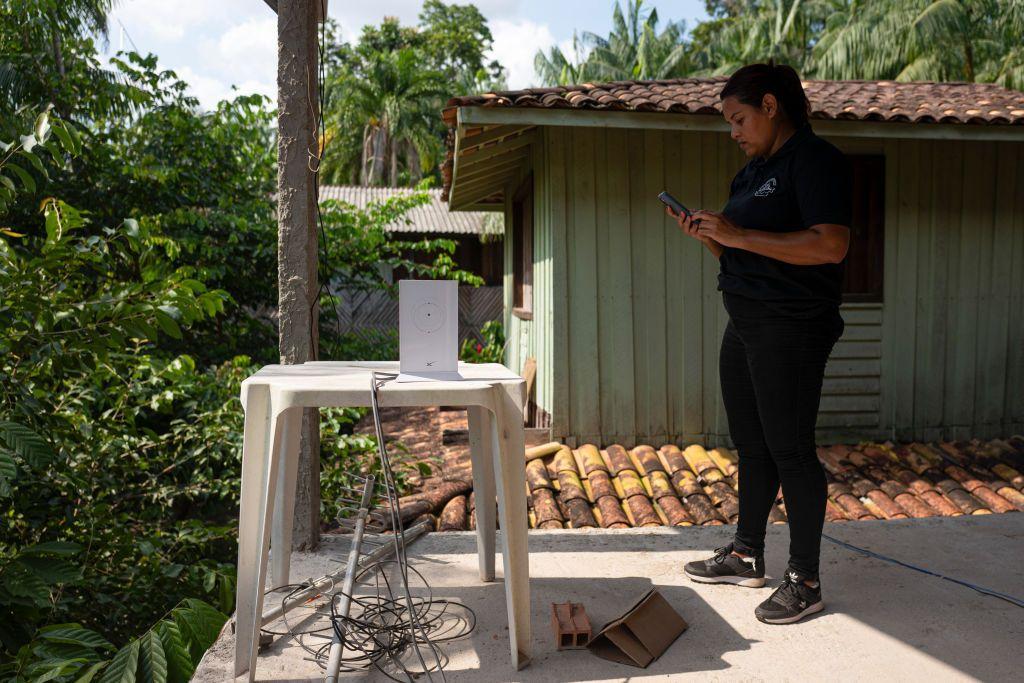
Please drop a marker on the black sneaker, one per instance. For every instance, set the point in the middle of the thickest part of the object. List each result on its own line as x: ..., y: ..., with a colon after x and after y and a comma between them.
x: 725, y: 567
x: 792, y: 600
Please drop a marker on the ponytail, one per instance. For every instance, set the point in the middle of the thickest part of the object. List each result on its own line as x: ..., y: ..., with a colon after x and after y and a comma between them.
x: 752, y: 82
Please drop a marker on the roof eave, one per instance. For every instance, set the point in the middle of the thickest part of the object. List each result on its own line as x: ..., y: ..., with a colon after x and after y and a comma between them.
x: 538, y: 116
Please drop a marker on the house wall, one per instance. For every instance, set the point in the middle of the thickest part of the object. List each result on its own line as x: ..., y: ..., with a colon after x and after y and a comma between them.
x: 628, y: 319
x: 532, y: 338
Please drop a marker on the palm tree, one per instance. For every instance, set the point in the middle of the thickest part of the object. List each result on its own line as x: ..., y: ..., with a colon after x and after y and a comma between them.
x: 386, y: 117
x: 44, y: 56
x: 633, y: 50
x: 557, y: 69
x: 756, y: 30
x: 911, y: 40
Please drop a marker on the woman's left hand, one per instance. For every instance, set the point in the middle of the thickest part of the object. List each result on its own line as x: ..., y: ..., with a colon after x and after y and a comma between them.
x: 719, y: 228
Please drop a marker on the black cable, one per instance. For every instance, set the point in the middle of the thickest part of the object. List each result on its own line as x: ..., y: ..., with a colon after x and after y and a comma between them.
x: 316, y: 156
x: 981, y: 589
x: 395, y: 509
x: 389, y: 624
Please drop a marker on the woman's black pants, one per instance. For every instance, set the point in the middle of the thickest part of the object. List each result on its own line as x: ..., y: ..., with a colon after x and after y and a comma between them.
x: 771, y: 368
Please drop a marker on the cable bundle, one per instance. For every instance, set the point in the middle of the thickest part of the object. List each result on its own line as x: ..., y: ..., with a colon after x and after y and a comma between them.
x: 389, y: 629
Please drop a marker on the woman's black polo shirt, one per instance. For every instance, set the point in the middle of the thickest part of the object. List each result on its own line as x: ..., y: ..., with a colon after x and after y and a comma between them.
x: 806, y: 182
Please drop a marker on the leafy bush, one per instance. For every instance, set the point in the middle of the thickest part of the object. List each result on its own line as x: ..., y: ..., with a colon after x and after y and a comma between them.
x: 137, y: 290
x: 490, y: 350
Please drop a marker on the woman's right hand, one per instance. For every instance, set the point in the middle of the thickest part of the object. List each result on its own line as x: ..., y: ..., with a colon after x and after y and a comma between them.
x: 688, y: 225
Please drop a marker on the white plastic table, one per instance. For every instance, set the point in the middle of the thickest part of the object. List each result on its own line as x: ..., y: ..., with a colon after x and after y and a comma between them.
x: 273, y: 399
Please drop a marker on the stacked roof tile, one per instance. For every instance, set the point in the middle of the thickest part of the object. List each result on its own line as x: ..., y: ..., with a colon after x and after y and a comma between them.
x: 618, y: 488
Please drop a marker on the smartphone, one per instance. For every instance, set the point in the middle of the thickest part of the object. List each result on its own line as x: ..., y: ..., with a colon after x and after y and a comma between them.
x: 674, y: 204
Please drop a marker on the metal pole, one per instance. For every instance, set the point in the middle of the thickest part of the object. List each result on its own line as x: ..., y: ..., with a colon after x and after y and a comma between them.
x: 326, y: 582
x: 337, y: 645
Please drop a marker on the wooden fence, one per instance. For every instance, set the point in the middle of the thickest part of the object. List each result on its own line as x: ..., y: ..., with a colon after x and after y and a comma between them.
x: 368, y: 314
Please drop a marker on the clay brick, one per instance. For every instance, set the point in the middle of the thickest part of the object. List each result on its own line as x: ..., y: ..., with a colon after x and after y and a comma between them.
x: 570, y: 625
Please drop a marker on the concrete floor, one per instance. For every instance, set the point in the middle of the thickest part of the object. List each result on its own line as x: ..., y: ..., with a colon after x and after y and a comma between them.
x: 881, y: 620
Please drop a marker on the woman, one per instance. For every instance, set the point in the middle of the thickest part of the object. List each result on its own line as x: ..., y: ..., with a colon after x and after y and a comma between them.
x: 781, y: 240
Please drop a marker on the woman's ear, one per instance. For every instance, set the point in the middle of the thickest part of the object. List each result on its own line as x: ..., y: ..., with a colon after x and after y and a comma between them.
x: 769, y: 105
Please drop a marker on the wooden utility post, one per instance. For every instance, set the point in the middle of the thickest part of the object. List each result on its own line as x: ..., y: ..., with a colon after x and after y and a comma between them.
x: 297, y: 95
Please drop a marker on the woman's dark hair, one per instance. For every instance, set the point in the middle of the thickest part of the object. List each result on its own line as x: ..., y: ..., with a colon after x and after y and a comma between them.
x: 752, y: 82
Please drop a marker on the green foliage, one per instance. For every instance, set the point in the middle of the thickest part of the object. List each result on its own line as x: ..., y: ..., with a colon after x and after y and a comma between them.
x: 490, y: 350
x: 23, y: 152
x: 938, y: 40
x: 166, y: 653
x: 138, y: 277
x: 383, y: 93
x: 910, y: 40
x: 364, y: 253
x: 634, y: 49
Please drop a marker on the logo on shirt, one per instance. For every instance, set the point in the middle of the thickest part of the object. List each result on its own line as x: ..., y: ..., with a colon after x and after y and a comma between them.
x: 766, y: 189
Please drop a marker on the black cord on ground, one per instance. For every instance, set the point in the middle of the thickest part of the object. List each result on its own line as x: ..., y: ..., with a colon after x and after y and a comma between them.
x: 870, y: 553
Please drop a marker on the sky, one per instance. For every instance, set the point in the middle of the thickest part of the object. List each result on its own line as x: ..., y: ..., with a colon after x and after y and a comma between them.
x: 216, y: 44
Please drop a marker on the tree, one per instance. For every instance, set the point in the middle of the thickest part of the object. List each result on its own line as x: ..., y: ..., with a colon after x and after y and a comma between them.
x: 384, y: 93
x: 633, y: 50
x: 47, y: 55
x: 747, y: 31
x: 392, y: 99
x: 456, y: 40
x: 555, y: 68
x: 912, y: 40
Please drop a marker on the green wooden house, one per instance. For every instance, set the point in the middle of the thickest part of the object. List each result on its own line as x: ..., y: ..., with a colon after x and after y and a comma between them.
x: 621, y: 310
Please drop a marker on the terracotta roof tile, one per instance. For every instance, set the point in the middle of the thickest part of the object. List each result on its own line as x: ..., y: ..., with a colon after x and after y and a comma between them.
x: 683, y: 487
x: 916, y: 102
x: 615, y: 487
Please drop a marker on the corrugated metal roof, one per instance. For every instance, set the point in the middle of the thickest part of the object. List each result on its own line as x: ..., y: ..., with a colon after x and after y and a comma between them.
x: 432, y: 217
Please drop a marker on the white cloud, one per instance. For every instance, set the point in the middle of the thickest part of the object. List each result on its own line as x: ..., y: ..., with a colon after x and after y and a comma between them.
x: 249, y: 50
x: 209, y: 91
x: 516, y: 44
x: 161, y: 20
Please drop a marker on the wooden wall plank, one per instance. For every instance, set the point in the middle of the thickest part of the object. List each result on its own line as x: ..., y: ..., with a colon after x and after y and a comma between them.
x: 896, y: 382
x: 691, y: 194
x: 942, y: 193
x: 616, y: 281
x: 711, y: 298
x: 1013, y: 406
x: 554, y: 142
x: 856, y: 349
x: 847, y: 419
x: 853, y: 367
x: 849, y: 403
x: 890, y: 255
x: 584, y: 325
x: 640, y: 284
x: 962, y: 342
x: 836, y: 385
x: 655, y: 226
x: 994, y: 292
x: 675, y: 250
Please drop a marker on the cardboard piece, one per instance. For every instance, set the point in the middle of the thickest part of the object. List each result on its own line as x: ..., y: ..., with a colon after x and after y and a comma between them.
x: 640, y: 635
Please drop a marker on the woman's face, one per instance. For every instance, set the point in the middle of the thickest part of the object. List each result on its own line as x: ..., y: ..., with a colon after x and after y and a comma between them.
x: 754, y: 128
